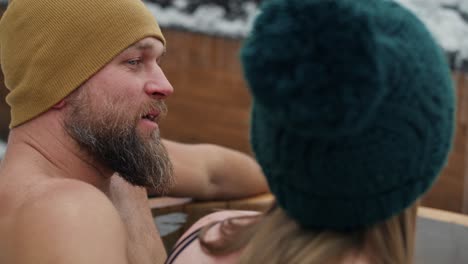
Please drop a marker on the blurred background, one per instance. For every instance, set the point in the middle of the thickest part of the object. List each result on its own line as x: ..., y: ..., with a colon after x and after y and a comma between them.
x: 211, y: 102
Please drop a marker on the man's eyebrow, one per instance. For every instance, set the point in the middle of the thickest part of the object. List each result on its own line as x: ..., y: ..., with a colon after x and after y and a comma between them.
x: 145, y: 46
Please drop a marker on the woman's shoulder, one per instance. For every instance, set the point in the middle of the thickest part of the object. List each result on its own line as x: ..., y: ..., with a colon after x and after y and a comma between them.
x: 188, y: 249
x: 218, y: 217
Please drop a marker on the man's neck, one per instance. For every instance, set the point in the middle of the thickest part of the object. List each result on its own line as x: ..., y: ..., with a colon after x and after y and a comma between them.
x: 48, y: 150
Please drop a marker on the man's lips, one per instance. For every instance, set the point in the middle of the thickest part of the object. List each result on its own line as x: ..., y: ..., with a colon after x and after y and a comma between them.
x: 151, y: 116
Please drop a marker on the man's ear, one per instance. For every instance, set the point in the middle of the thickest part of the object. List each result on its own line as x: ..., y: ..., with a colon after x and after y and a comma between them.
x: 59, y: 105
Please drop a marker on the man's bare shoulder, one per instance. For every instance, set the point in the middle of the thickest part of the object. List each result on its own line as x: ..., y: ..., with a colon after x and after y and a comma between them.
x: 68, y: 221
x: 65, y: 196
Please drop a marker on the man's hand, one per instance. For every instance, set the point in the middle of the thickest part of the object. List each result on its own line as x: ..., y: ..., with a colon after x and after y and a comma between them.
x: 144, y: 242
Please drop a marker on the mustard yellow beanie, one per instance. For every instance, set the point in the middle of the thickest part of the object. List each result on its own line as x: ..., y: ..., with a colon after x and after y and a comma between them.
x: 48, y: 48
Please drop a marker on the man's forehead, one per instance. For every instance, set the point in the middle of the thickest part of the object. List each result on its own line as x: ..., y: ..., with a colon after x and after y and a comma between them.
x: 148, y: 44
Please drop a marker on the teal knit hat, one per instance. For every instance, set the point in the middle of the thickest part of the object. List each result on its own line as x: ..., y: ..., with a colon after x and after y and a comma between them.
x: 354, y: 108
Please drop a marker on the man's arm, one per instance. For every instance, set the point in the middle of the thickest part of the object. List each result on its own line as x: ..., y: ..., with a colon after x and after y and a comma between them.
x: 206, y: 171
x: 69, y: 224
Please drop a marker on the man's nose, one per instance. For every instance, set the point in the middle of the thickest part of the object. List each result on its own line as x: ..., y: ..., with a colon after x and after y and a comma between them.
x: 158, y: 87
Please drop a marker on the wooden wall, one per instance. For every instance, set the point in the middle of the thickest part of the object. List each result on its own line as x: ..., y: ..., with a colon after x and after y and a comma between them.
x: 210, y: 102
x: 449, y: 191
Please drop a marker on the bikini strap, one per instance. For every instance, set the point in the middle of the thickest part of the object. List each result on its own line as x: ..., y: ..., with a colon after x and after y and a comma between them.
x: 184, y: 243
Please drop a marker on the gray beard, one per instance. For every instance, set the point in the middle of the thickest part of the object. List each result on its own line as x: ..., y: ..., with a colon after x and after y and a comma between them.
x: 117, y: 145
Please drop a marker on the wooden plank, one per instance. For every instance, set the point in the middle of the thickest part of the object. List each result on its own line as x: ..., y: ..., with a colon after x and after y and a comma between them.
x: 444, y: 216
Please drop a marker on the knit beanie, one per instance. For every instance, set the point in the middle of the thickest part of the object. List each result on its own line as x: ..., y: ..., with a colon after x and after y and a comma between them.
x: 353, y: 108
x: 48, y: 48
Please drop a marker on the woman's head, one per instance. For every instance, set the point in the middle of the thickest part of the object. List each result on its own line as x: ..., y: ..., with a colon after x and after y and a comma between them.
x: 353, y: 112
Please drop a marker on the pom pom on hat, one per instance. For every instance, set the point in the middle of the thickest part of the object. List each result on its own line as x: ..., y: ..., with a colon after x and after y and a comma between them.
x: 293, y: 58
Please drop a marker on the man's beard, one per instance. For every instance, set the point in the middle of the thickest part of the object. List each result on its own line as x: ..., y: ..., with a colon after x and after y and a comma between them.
x: 111, y: 138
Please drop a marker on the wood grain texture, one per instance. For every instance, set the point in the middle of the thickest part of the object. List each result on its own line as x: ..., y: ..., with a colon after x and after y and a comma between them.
x: 211, y: 102
x: 448, y: 191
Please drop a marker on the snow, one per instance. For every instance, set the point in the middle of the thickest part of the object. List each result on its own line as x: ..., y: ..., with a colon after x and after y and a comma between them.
x: 446, y: 24
x: 463, y: 6
x: 208, y: 18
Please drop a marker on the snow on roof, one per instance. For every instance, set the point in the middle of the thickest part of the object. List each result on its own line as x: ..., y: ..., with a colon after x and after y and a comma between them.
x: 206, y: 18
x: 448, y: 22
x: 446, y: 19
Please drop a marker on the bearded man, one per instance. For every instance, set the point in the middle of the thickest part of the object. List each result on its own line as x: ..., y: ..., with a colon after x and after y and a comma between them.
x: 86, y: 95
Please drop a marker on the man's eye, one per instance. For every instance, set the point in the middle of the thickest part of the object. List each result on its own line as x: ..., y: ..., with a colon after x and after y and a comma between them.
x: 134, y: 62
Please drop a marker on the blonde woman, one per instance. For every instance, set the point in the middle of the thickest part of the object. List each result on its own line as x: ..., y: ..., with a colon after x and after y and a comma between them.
x: 352, y: 121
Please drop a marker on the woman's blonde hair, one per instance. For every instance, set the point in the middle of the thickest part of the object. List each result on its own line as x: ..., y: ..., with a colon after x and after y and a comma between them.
x: 276, y: 238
